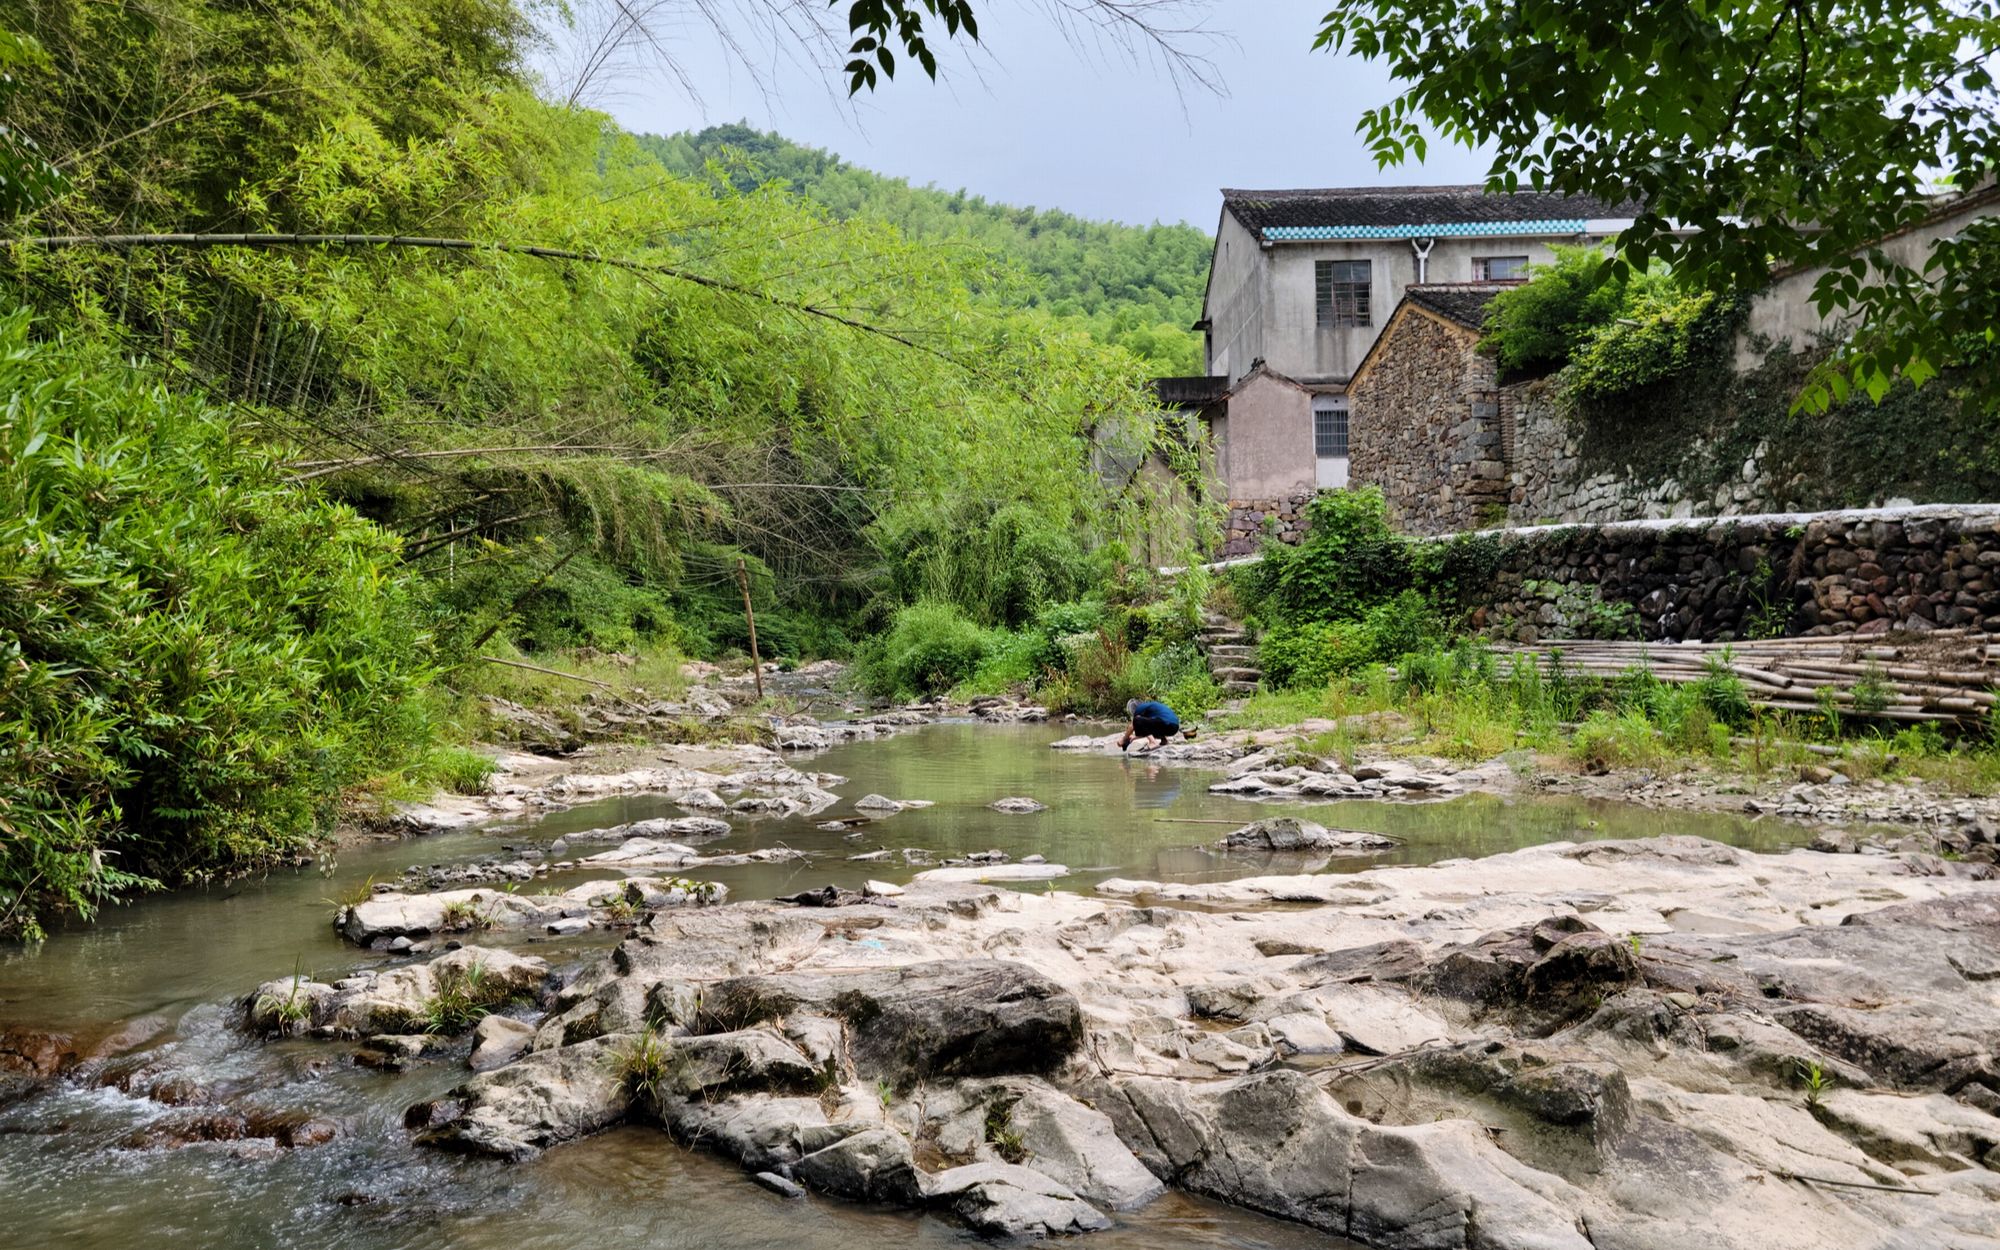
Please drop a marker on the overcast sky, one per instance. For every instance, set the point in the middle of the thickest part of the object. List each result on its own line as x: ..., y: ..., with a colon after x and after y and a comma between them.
x: 1032, y: 118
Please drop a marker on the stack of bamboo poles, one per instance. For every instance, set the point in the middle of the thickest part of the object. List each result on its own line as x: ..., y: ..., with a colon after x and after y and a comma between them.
x: 1947, y: 675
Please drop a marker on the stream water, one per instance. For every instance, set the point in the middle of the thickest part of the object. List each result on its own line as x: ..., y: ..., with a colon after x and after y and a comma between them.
x: 71, y: 1173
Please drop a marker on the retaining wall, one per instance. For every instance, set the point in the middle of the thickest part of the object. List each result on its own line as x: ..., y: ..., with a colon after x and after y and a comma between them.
x: 1862, y: 571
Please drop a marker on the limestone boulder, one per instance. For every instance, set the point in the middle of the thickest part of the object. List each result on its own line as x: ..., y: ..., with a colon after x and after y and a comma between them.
x: 542, y: 1100
x: 1288, y: 833
x: 1007, y: 1200
x: 918, y: 1022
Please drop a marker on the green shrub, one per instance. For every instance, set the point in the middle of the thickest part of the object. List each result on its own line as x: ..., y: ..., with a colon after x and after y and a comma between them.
x: 195, y: 657
x: 456, y: 769
x: 1350, y: 560
x: 929, y: 647
x: 1534, y: 327
x: 1663, y: 331
x: 997, y: 565
x: 1607, y: 740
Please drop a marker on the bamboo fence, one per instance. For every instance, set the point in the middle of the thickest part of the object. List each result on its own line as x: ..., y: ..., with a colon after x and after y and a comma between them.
x: 1945, y: 675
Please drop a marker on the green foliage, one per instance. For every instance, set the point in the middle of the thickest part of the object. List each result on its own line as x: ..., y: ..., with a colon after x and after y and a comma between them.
x: 26, y: 176
x: 1533, y: 328
x: 929, y: 647
x: 462, y: 998
x: 999, y: 564
x: 197, y: 657
x: 1138, y: 287
x: 456, y: 770
x: 1666, y: 332
x: 1310, y: 653
x: 1871, y: 693
x: 1350, y: 558
x: 1710, y: 114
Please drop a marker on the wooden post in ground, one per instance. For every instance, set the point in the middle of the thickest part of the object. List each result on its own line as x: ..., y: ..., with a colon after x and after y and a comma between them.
x: 750, y: 619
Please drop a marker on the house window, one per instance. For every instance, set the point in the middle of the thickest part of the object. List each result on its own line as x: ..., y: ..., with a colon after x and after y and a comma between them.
x: 1329, y: 427
x: 1330, y: 442
x: 1341, y: 290
x: 1499, y: 268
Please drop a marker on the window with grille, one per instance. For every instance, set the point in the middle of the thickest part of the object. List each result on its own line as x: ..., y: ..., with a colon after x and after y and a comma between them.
x: 1342, y: 292
x: 1329, y: 427
x: 1499, y: 268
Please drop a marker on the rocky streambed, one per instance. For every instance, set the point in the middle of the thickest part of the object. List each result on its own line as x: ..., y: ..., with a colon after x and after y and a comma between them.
x: 741, y: 1023
x: 1657, y: 1043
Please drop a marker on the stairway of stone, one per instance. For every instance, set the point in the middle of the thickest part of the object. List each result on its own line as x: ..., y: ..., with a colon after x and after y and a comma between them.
x: 1232, y: 657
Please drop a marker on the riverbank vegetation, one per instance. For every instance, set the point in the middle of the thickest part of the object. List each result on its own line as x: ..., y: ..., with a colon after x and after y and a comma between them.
x: 1363, y: 627
x: 277, y: 505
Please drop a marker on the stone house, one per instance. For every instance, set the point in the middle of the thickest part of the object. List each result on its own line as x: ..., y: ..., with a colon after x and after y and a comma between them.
x: 1454, y: 450
x: 1434, y: 428
x: 1302, y: 284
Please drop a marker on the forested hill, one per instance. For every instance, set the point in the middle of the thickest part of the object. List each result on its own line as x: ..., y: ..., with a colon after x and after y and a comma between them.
x: 1138, y: 286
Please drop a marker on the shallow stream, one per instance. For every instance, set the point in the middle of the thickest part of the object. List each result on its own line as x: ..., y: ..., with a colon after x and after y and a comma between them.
x: 175, y: 963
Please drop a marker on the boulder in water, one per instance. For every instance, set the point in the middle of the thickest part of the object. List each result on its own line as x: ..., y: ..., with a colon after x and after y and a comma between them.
x: 1288, y: 833
x: 1017, y: 805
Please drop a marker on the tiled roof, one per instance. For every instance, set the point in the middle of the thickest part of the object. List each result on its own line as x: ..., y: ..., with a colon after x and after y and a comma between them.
x: 1464, y: 303
x: 1400, y: 212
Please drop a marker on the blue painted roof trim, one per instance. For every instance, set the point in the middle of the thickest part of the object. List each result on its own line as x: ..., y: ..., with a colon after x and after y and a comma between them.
x: 1558, y: 225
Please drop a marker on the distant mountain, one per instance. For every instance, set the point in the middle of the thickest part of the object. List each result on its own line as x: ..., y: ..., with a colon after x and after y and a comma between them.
x: 1137, y: 286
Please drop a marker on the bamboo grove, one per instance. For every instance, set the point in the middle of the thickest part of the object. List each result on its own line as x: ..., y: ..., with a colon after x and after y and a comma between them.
x: 266, y: 502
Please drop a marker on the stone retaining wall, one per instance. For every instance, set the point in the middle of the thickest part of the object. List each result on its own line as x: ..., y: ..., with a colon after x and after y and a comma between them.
x: 1250, y: 519
x: 1861, y: 571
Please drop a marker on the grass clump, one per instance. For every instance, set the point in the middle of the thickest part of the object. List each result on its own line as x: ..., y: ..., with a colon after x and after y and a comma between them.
x: 463, y: 998
x: 464, y: 915
x: 645, y: 1065
x: 457, y: 770
x: 1001, y: 1134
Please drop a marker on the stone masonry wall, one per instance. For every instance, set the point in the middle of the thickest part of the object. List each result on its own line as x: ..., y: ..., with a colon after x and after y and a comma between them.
x: 1250, y: 519
x: 1426, y: 429
x: 1546, y: 482
x: 1862, y: 572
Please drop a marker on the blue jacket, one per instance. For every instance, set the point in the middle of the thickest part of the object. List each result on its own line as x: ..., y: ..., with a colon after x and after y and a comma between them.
x: 1157, y: 712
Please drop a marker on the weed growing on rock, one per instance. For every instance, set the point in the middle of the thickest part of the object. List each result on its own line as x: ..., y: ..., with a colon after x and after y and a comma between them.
x: 291, y: 1013
x: 462, y: 915
x: 461, y: 1001
x: 1001, y: 1133
x: 645, y: 1064
x: 1814, y: 1079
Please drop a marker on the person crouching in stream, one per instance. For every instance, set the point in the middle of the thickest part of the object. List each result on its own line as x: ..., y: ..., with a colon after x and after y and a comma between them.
x: 1152, y: 720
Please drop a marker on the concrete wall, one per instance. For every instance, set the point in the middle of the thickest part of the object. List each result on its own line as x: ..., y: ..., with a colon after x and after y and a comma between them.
x: 1784, y: 312
x: 1859, y: 572
x: 1262, y: 301
x: 1236, y: 300
x: 1265, y: 445
x: 1424, y: 425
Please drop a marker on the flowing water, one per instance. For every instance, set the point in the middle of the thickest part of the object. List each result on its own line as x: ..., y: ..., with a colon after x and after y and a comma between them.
x: 71, y: 1174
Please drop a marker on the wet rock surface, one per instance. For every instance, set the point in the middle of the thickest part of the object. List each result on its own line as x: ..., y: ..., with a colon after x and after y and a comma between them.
x: 1642, y: 1044
x: 1288, y: 833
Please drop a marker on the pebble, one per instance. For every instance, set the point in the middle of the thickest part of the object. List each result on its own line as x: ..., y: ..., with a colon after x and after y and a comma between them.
x: 779, y: 1185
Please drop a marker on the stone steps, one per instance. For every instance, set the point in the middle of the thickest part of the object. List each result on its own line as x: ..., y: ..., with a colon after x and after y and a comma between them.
x: 1232, y: 656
